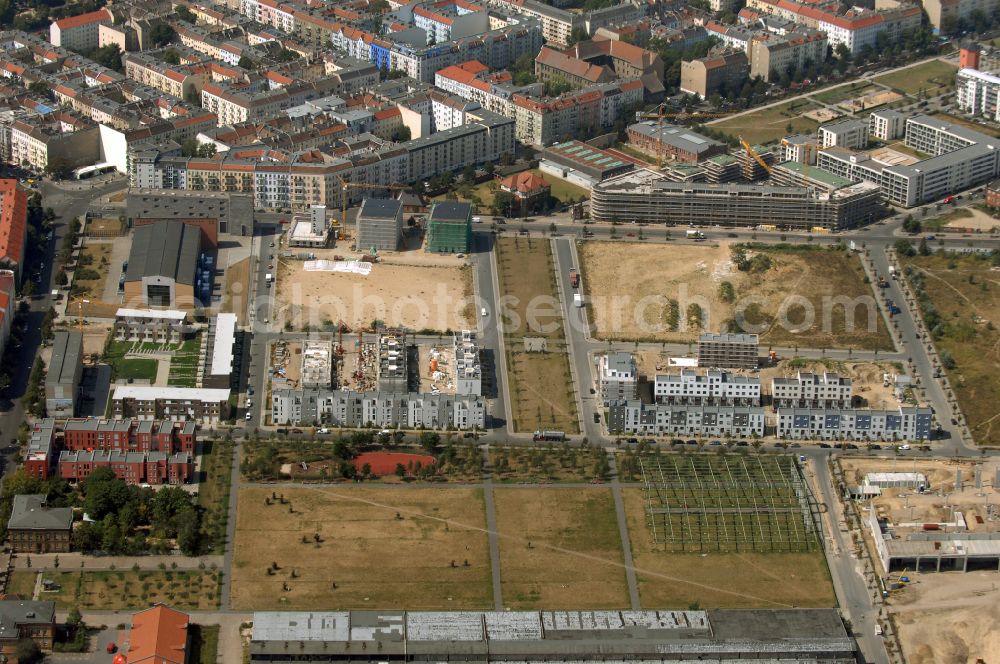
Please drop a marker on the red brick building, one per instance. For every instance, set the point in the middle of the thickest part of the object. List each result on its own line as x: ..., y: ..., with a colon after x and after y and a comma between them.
x: 129, y: 435
x: 131, y: 467
x: 39, y: 460
x: 993, y: 194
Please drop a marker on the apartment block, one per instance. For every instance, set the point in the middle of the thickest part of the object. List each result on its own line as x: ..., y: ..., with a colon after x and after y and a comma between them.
x: 62, y: 381
x: 676, y: 420
x: 617, y: 377
x: 380, y: 224
x: 809, y: 390
x: 378, y: 409
x: 772, y: 55
x: 80, y: 32
x: 153, y: 468
x: 36, y: 139
x: 904, y: 423
x: 978, y: 93
x: 672, y: 142
x: 178, y: 404
x: 706, y: 76
x: 39, y: 460
x: 150, y: 326
x: 711, y: 388
x: 850, y: 134
x: 944, y: 14
x: 13, y: 238
x: 728, y: 351
x: 887, y: 125
x: 541, y: 122
x: 130, y: 435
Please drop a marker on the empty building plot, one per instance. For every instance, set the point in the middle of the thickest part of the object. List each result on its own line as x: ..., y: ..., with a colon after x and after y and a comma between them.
x: 703, y: 504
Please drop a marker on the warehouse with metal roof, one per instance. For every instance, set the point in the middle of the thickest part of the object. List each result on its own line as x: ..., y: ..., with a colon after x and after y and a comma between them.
x: 163, y: 266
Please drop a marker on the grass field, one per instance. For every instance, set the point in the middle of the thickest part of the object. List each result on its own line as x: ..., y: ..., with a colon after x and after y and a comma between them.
x: 682, y: 580
x: 483, y: 192
x: 237, y: 289
x: 960, y: 300
x: 213, y: 492
x: 93, y: 262
x: 541, y: 391
x: 378, y: 548
x: 137, y: 369
x: 204, y: 645
x: 562, y: 190
x: 556, y: 463
x: 22, y: 584
x: 129, y: 589
x: 184, y: 364
x: 844, y: 92
x: 770, y: 124
x: 646, y: 292
x: 560, y: 549
x: 931, y: 78
x: 527, y: 279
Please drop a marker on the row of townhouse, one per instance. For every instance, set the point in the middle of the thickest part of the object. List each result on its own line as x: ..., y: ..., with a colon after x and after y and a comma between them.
x: 280, y: 179
x: 378, y: 409
x: 152, y: 468
x: 811, y: 390
x: 177, y: 404
x: 960, y: 158
x: 904, y: 423
x: 714, y: 387
x: 685, y: 420
x: 130, y: 435
x: 855, y: 28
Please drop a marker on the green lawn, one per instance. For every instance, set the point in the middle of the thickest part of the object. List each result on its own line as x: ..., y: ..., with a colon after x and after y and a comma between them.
x: 770, y: 124
x: 137, y: 369
x: 561, y: 189
x: 932, y: 78
x: 213, y: 492
x: 184, y: 364
x: 204, y: 644
x: 843, y: 92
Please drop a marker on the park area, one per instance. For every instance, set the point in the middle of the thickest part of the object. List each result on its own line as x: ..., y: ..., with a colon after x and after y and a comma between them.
x: 541, y: 390
x: 560, y: 549
x: 959, y: 298
x: 413, y: 289
x: 924, y: 80
x: 675, y: 292
x: 770, y: 124
x: 482, y: 195
x: 361, y: 548
x: 554, y: 463
x: 91, y: 271
x: 129, y: 589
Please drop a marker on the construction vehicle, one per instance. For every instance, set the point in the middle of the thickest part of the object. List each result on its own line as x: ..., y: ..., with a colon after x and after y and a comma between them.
x: 577, y: 300
x: 756, y: 157
x: 695, y: 235
x: 574, y: 278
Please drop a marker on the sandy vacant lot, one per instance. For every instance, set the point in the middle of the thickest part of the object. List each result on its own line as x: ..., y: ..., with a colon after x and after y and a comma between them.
x: 677, y: 580
x: 379, y: 548
x: 632, y: 286
x: 949, y: 617
x: 560, y: 549
x: 415, y: 290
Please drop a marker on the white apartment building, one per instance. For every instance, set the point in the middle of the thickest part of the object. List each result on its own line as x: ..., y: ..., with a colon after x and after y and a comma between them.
x: 81, y: 32
x: 714, y: 387
x: 667, y: 419
x: 887, y: 125
x: 810, y: 390
x: 850, y: 134
x: 979, y: 93
x: 906, y: 423
x: 617, y: 377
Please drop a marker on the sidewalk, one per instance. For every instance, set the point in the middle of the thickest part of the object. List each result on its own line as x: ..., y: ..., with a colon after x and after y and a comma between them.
x: 69, y: 562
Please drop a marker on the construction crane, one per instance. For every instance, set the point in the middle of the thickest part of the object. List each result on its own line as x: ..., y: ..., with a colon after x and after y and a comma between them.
x: 753, y: 153
x: 660, y: 116
x: 345, y: 185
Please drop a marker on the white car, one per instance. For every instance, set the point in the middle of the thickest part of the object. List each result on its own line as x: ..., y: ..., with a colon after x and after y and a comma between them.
x: 323, y: 430
x: 904, y: 447
x: 249, y: 416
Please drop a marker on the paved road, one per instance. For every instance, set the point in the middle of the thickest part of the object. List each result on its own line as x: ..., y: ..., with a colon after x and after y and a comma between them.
x: 491, y: 530
x: 852, y: 591
x: 574, y: 319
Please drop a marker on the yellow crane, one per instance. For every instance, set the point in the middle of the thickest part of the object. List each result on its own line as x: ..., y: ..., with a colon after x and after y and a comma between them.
x: 756, y: 157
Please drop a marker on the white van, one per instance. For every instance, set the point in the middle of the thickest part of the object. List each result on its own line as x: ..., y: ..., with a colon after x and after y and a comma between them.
x: 484, y: 312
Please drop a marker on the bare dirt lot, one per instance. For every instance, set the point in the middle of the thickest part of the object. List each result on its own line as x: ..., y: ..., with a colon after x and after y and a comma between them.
x: 659, y: 293
x: 379, y: 548
x: 560, y: 549
x: 949, y: 617
x: 866, y: 377
x: 413, y: 289
x: 677, y: 580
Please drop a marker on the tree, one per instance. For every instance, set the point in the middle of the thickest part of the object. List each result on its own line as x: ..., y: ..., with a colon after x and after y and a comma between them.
x: 246, y: 63
x: 923, y: 249
x: 904, y: 247
x: 911, y: 225
x: 185, y: 14
x: 39, y: 88
x: 27, y: 652
x: 162, y: 33
x: 104, y: 493
x: 59, y: 168
x: 401, y: 134
x: 171, y: 56
x: 400, y: 471
x: 109, y: 56
x: 503, y: 203
x: 429, y: 440
x: 469, y: 173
